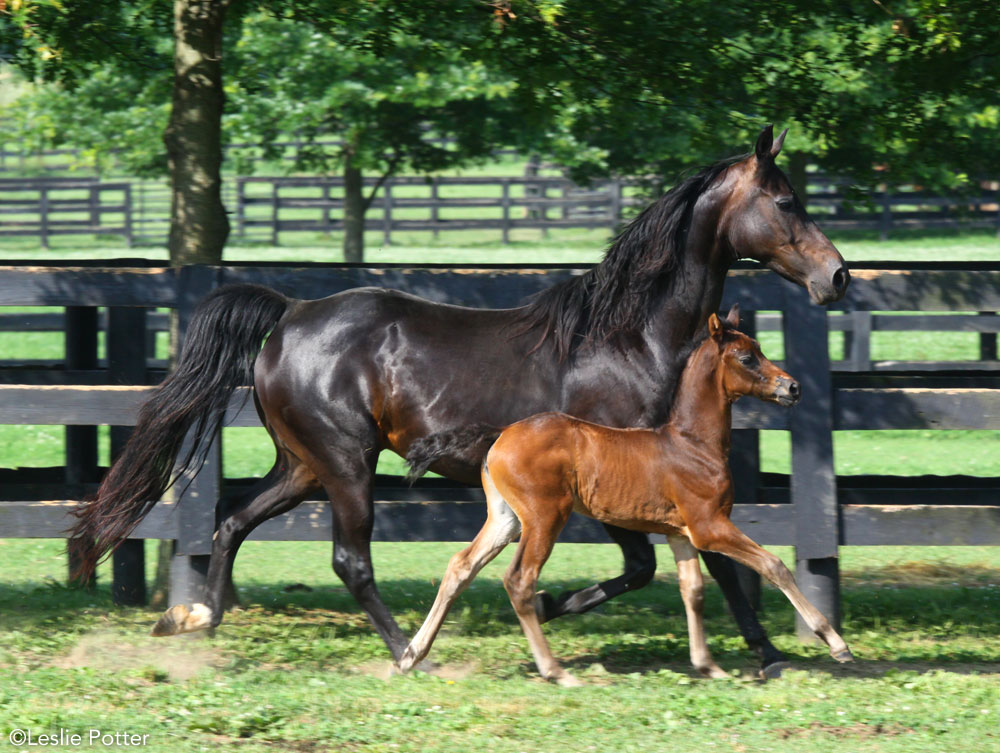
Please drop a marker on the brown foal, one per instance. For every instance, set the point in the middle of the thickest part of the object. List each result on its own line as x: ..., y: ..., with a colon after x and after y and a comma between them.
x: 673, y: 480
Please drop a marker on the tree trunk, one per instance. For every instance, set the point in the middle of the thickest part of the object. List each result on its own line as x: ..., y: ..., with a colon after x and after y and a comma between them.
x: 198, y: 222
x: 797, y: 175
x: 354, y: 214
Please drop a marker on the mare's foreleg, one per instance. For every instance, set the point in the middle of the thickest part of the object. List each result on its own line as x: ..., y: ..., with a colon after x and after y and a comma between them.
x: 720, y: 567
x: 721, y: 535
x: 501, y: 527
x: 640, y: 567
x: 692, y: 587
x: 284, y: 487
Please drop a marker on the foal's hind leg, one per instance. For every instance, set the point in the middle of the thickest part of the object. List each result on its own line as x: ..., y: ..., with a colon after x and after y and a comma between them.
x: 692, y: 587
x: 640, y: 567
x: 284, y: 487
x: 538, y: 536
x: 721, y: 535
x: 501, y: 527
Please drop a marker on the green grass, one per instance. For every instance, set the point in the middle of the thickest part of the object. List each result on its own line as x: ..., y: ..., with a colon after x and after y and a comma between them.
x: 303, y: 671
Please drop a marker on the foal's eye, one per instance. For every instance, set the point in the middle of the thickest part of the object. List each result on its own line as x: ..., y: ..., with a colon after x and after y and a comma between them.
x: 786, y: 204
x: 746, y: 360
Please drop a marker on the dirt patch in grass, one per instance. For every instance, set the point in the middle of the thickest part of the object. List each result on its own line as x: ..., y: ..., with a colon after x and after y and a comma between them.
x: 916, y: 574
x: 384, y: 670
x: 175, y: 659
x: 858, y: 730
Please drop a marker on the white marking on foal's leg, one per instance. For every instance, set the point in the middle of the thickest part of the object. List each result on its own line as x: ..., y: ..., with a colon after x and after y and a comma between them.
x: 692, y: 587
x: 501, y: 527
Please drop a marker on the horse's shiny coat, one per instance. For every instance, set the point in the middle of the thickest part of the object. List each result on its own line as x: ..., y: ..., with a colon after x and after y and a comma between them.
x: 343, y: 378
x: 672, y: 480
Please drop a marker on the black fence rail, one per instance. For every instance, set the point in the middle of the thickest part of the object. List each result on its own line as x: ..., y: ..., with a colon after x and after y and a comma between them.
x: 267, y: 209
x: 811, y: 509
x: 65, y: 206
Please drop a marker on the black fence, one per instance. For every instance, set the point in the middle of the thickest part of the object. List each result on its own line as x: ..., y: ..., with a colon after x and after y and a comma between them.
x: 811, y: 509
x: 267, y: 209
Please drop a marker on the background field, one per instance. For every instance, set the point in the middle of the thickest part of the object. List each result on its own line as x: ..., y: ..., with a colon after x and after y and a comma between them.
x: 299, y: 668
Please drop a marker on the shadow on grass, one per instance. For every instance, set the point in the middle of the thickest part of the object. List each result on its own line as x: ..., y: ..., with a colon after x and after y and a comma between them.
x: 890, y: 627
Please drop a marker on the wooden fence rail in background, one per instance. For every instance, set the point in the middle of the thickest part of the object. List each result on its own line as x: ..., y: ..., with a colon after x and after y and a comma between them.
x: 266, y: 209
x: 812, y: 509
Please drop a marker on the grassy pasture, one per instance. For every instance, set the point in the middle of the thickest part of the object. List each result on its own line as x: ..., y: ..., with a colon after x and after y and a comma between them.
x: 301, y: 670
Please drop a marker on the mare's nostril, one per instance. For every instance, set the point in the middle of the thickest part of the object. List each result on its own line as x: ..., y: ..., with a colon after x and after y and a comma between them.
x: 840, y: 278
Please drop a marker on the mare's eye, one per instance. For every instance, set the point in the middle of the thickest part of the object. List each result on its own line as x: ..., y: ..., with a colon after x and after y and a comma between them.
x: 786, y: 204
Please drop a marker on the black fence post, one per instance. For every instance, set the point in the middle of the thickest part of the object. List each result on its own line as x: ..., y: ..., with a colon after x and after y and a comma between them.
x: 814, y: 480
x: 80, y: 334
x: 126, y: 348
x: 744, y: 464
x: 988, y: 342
x: 506, y: 211
x: 197, y: 492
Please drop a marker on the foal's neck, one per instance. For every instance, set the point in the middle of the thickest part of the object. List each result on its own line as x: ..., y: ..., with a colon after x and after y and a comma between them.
x: 702, y: 410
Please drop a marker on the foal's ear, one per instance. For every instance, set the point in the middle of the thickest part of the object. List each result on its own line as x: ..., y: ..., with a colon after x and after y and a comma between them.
x: 764, y: 143
x: 714, y: 326
x: 733, y: 317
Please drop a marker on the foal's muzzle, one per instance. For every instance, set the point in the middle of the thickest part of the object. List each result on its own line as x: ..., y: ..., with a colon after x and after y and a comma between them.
x: 788, y: 391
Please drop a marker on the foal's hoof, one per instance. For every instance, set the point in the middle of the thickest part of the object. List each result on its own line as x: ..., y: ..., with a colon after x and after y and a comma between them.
x: 843, y: 656
x: 566, y: 680
x: 773, y: 671
x: 713, y: 672
x: 179, y: 619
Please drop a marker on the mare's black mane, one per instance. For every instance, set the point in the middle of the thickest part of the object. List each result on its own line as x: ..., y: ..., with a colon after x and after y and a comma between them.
x: 611, y: 301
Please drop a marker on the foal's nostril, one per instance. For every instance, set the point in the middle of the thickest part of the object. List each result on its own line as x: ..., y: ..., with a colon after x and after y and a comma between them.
x: 793, y: 389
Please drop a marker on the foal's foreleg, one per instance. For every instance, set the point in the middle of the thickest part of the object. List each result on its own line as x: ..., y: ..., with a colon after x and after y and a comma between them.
x: 721, y: 535
x: 500, y: 529
x: 692, y: 587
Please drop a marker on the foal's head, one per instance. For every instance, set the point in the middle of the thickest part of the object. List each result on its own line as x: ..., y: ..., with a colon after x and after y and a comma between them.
x: 745, y: 370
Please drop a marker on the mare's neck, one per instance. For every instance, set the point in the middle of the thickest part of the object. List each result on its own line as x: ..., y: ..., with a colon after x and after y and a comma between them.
x: 702, y: 411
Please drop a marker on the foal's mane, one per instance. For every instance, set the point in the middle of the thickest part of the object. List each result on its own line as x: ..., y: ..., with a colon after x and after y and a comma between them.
x: 611, y: 301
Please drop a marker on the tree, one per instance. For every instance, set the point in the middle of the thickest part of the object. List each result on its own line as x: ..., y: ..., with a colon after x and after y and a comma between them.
x: 409, y: 103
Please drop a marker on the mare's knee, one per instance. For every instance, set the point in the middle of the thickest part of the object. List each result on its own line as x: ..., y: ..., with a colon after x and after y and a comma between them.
x: 353, y: 569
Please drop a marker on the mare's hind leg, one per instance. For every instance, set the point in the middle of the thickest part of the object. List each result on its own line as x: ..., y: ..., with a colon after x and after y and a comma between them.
x: 347, y: 472
x: 692, y: 588
x: 640, y: 567
x: 501, y: 527
x: 721, y: 535
x: 284, y: 487
x: 720, y: 567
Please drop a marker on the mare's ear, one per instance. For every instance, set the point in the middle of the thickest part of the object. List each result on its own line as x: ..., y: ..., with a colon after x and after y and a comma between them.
x: 733, y: 317
x: 776, y: 146
x: 764, y: 143
x: 714, y: 326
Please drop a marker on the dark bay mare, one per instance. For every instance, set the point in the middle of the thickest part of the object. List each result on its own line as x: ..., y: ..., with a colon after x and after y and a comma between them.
x: 343, y: 378
x: 672, y: 480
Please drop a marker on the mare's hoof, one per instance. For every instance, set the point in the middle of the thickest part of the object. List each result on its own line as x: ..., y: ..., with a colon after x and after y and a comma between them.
x: 843, y: 656
x: 773, y: 670
x: 179, y: 619
x: 545, y: 606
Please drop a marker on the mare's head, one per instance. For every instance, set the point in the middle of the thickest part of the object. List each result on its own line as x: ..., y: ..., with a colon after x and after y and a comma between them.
x: 764, y: 220
x: 745, y: 370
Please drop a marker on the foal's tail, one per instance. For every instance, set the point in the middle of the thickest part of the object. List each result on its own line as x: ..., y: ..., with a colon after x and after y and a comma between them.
x: 468, y: 444
x: 222, y: 342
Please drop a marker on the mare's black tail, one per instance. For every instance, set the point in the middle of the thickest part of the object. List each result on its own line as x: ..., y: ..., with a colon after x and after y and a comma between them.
x: 220, y: 347
x: 468, y: 444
